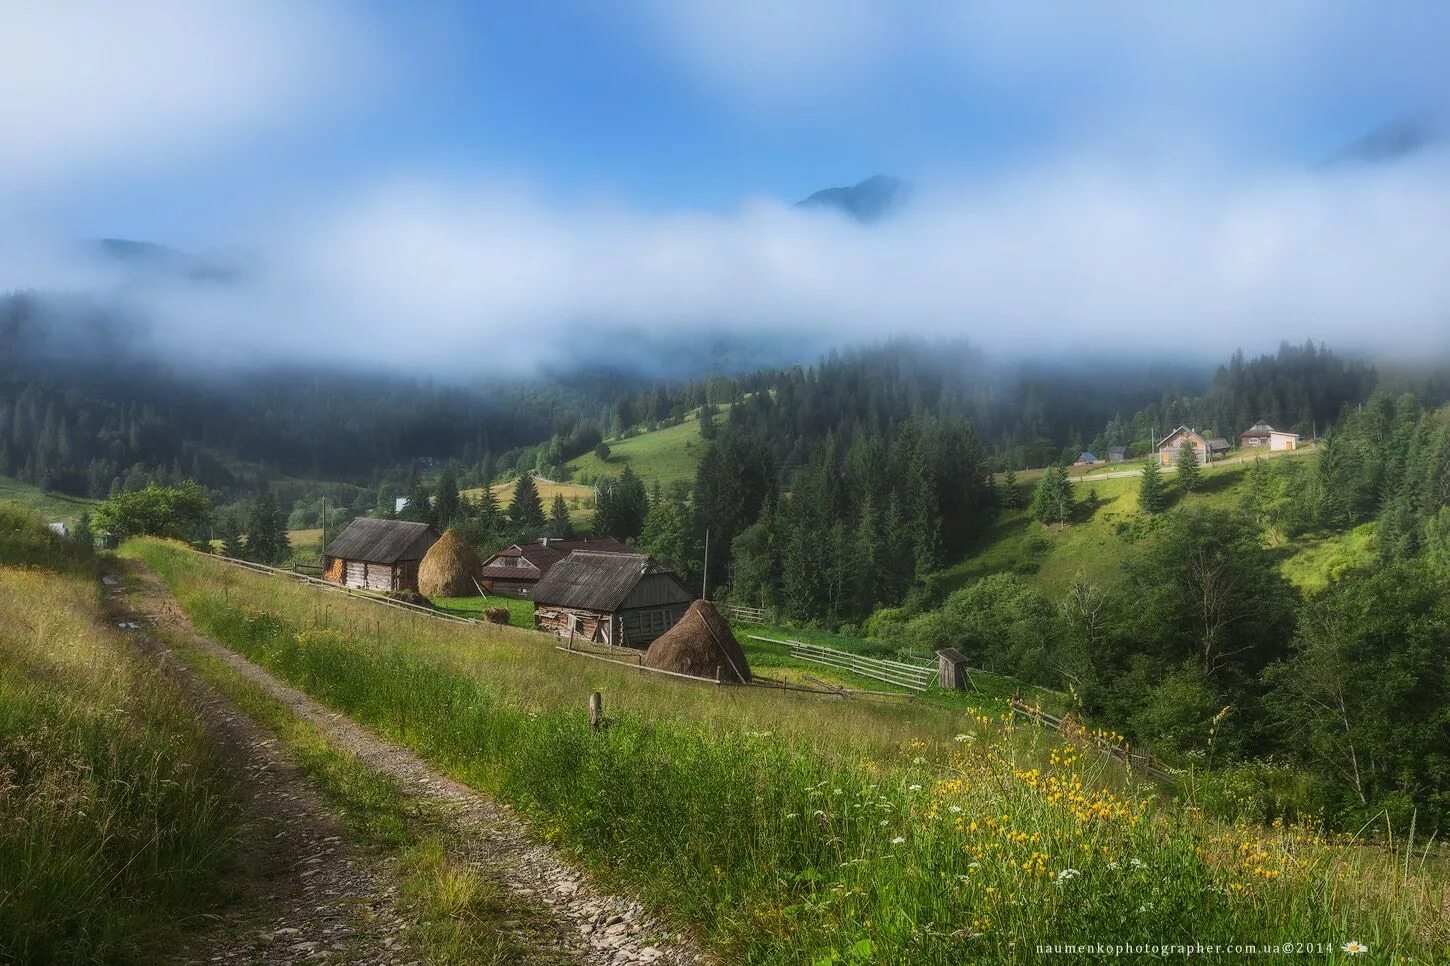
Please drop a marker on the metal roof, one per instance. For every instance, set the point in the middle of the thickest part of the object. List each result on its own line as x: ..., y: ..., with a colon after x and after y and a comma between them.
x: 382, y: 541
x: 606, y: 582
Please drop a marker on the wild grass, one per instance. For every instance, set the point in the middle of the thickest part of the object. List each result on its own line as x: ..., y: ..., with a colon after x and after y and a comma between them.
x: 53, y: 506
x: 457, y: 915
x: 26, y: 541
x: 115, y: 820
x: 789, y: 829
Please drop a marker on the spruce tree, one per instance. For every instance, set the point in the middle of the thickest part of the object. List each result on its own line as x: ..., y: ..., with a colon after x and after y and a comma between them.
x: 1052, y: 500
x: 82, y: 533
x: 527, y: 510
x: 267, y: 540
x: 447, y: 505
x: 1190, y: 474
x: 419, y: 508
x: 1151, y: 495
x: 488, y: 516
x: 1011, y: 493
x: 559, y: 523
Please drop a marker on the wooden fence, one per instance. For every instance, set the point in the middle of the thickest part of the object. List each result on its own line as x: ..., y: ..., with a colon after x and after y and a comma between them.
x: 914, y: 677
x: 746, y: 615
x: 329, y: 585
x: 1144, y: 763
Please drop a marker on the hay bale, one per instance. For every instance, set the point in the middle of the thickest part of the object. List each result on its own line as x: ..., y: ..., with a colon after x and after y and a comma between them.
x: 700, y: 645
x: 497, y: 615
x: 450, y: 568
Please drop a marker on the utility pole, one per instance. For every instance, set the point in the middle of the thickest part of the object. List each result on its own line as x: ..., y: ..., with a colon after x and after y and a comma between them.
x: 705, y: 580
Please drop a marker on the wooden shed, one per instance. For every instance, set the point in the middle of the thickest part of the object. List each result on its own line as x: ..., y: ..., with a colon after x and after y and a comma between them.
x: 372, y: 554
x: 952, y: 671
x: 609, y: 598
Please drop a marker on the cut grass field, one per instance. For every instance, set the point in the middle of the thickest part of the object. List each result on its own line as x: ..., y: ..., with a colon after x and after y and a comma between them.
x: 504, y: 493
x: 521, y: 611
x: 668, y: 455
x: 790, y: 828
x: 53, y: 506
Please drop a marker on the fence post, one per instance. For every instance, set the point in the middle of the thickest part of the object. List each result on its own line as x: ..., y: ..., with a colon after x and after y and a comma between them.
x: 596, y: 711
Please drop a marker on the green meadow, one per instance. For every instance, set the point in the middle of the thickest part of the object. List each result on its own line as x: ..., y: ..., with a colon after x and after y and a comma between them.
x: 668, y: 455
x: 788, y: 828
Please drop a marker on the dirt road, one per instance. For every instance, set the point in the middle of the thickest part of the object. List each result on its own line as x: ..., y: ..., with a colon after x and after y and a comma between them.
x: 334, y: 901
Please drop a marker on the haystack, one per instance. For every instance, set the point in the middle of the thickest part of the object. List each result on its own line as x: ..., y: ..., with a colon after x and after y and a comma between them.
x: 700, y: 645
x: 450, y: 568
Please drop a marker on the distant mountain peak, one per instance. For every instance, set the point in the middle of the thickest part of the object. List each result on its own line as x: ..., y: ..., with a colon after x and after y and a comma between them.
x: 870, y: 201
x: 1388, y: 142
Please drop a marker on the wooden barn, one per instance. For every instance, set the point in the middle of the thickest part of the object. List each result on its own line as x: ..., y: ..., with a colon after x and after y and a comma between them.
x: 374, y: 554
x: 626, y: 600
x: 517, y: 569
x: 1205, y: 449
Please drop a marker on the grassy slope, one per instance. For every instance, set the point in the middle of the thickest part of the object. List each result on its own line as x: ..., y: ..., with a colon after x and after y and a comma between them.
x: 53, y: 506
x: 789, y: 828
x: 1094, y: 547
x: 667, y: 455
x: 504, y: 492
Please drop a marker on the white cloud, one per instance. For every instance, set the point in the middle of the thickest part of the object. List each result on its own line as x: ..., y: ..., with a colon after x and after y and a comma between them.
x: 493, y: 278
x: 98, y: 89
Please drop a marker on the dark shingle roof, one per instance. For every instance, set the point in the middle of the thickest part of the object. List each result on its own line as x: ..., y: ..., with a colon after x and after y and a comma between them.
x: 589, y: 580
x: 544, y: 555
x: 382, y: 541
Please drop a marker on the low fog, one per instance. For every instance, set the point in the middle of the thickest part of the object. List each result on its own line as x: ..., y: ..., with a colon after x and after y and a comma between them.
x: 1082, y: 245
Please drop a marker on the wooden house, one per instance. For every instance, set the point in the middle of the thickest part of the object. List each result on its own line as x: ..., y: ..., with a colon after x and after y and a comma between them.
x: 626, y: 600
x: 517, y: 569
x: 1117, y: 454
x: 1206, y: 449
x: 1085, y: 458
x: 372, y: 554
x: 1263, y: 436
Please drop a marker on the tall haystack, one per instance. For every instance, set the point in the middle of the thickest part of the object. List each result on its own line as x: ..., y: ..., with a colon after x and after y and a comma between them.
x: 450, y: 568
x: 700, y: 645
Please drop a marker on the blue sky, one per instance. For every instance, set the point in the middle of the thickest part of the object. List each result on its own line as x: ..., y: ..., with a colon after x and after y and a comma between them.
x: 1091, y: 173
x: 705, y: 107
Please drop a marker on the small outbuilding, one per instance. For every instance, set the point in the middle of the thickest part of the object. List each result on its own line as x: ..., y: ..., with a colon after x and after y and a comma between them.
x: 702, y: 646
x: 372, y: 554
x: 952, y: 669
x: 627, y: 600
x: 1117, y: 454
x: 450, y: 568
x: 1085, y: 458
